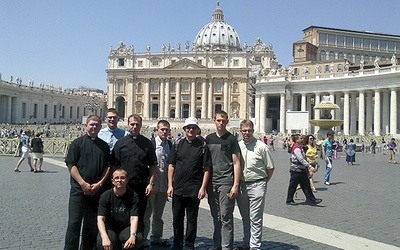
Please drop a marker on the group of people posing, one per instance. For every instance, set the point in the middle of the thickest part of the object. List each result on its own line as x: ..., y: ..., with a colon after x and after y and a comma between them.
x: 120, y: 179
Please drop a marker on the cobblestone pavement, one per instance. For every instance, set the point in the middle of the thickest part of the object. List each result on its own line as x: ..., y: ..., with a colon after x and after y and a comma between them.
x: 359, y: 210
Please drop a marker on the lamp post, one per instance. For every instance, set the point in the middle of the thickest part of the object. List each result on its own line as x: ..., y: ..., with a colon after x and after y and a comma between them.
x: 92, y: 106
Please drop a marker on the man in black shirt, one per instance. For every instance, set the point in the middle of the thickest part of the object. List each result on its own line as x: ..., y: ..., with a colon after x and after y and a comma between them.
x: 117, y: 218
x: 188, y: 174
x: 88, y: 162
x: 136, y: 155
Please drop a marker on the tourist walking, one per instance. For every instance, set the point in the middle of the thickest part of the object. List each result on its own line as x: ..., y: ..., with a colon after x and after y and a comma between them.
x: 351, y: 152
x: 299, y: 168
x: 311, y: 156
x: 257, y: 169
x: 326, y: 150
x: 392, y: 146
x: 37, y: 152
x: 188, y: 174
x: 25, y: 148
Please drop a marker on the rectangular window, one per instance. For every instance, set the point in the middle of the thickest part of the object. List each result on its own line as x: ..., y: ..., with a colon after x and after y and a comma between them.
x: 366, y: 43
x: 70, y: 112
x: 140, y: 63
x: 45, y: 111
x: 340, y: 41
x: 55, y: 111
x: 357, y: 42
x: 63, y: 112
x: 398, y: 46
x: 77, y: 113
x: 339, y: 68
x: 200, y: 61
x: 235, y: 62
x: 382, y: 45
x: 35, y: 108
x: 331, y: 39
x: 121, y: 62
x: 173, y: 61
x: 322, y: 38
x: 391, y: 46
x: 23, y: 110
x: 374, y: 44
x: 349, y: 42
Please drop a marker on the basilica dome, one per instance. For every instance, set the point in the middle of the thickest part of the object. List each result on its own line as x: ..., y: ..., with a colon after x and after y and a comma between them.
x: 217, y: 35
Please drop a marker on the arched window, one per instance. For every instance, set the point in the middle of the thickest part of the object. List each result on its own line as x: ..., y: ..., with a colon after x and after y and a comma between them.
x: 120, y: 86
x: 366, y: 58
x: 350, y: 57
x: 331, y: 56
x: 186, y: 86
x: 235, y: 87
x: 340, y: 56
x: 139, y: 87
x: 358, y: 58
x: 322, y: 55
x: 218, y: 87
x: 155, y: 87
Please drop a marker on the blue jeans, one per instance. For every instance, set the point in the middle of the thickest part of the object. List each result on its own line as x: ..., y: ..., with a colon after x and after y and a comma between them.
x: 328, y: 169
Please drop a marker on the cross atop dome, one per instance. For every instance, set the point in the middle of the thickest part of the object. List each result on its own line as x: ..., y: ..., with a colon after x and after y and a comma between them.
x: 217, y: 15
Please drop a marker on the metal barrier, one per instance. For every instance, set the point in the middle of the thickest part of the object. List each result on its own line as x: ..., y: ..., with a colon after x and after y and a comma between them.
x: 52, y: 146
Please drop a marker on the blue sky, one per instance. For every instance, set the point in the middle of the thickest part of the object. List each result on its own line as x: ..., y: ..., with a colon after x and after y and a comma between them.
x: 66, y: 43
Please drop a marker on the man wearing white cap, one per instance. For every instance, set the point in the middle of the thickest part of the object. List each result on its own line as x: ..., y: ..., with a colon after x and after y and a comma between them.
x: 188, y: 174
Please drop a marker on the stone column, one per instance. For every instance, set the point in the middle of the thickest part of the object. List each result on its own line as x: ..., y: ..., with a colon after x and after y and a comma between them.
x: 377, y: 113
x: 9, y: 110
x: 167, y: 99
x: 370, y: 110
x: 385, y: 113
x: 393, y: 111
x: 257, y: 112
x: 178, y: 99
x: 339, y: 112
x: 132, y: 98
x: 332, y: 98
x: 317, y: 114
x: 346, y: 115
x: 282, y: 114
x: 193, y: 98
x: 204, y: 99
x: 162, y: 98
x: 303, y: 102
x: 210, y: 100
x: 146, y: 101
x: 226, y: 96
x: 353, y: 115
x: 263, y: 111
x: 361, y: 113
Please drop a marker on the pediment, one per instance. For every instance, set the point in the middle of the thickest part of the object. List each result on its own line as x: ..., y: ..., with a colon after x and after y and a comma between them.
x: 185, y: 64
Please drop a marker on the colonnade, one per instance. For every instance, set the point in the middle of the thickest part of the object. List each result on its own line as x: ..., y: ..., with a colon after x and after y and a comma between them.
x: 203, y: 95
x: 363, y: 112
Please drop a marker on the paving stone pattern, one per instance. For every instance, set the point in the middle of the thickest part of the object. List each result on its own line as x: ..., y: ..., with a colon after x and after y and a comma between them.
x: 363, y: 200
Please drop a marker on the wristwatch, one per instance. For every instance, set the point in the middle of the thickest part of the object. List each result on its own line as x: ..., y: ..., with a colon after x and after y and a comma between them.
x: 134, y: 234
x: 151, y: 183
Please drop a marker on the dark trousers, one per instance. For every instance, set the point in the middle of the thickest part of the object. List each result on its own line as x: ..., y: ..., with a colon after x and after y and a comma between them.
x: 82, y: 207
x: 181, y: 204
x: 140, y: 189
x: 302, y: 179
x: 117, y: 238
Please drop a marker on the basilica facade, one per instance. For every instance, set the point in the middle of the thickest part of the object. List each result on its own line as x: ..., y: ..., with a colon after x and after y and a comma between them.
x: 189, y: 80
